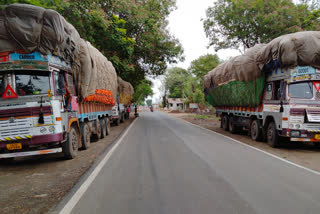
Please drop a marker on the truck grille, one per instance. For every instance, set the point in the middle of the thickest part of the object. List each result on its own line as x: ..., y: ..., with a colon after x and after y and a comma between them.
x: 17, y: 128
x: 312, y: 127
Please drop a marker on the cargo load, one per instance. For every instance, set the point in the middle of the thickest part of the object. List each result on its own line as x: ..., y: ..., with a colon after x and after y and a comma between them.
x: 35, y: 29
x: 240, y: 81
x: 125, y: 92
x: 237, y: 82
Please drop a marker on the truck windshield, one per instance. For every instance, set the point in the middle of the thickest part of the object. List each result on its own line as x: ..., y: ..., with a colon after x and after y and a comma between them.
x: 25, y: 83
x: 32, y: 83
x: 303, y: 90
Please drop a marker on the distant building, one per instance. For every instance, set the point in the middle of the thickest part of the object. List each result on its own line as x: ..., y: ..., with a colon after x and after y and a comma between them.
x: 176, y: 104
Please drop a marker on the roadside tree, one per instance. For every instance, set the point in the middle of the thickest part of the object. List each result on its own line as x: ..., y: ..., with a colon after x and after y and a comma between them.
x: 235, y: 24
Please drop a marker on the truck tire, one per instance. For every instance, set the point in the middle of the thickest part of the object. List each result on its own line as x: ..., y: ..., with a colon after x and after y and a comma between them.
x: 116, y: 122
x: 71, y: 146
x: 272, y: 135
x: 103, y: 128
x: 256, y: 131
x: 232, y: 125
x: 108, y: 126
x: 97, y: 135
x: 86, y: 135
x: 122, y: 118
x: 225, y: 122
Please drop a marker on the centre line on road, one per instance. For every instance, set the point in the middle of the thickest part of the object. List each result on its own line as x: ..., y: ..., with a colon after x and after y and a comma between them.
x: 83, y: 188
x: 252, y: 147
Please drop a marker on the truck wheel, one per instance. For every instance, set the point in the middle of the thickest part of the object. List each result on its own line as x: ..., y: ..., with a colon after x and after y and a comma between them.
x: 256, y: 131
x: 225, y: 122
x: 272, y: 135
x: 97, y: 135
x: 86, y: 135
x: 103, y: 128
x: 122, y: 118
x: 70, y: 147
x: 116, y: 122
x: 232, y: 125
x: 108, y: 129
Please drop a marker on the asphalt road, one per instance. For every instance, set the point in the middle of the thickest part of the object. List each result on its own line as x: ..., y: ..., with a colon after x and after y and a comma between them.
x: 167, y: 166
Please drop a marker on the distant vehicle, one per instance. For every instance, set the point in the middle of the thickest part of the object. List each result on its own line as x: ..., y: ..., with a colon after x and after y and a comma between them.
x: 151, y: 108
x: 118, y: 114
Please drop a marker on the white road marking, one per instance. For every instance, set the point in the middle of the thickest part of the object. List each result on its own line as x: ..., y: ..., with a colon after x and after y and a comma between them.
x: 83, y: 188
x: 252, y: 147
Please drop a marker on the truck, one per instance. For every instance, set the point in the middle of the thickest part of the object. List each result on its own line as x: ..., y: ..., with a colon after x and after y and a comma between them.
x: 118, y: 114
x: 123, y: 101
x: 56, y: 89
x: 277, y: 102
x: 40, y: 112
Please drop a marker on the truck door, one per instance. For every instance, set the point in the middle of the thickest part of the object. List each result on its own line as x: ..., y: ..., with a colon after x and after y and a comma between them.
x: 274, y: 102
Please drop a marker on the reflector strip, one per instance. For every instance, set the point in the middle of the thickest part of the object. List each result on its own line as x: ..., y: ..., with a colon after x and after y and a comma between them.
x: 15, y: 138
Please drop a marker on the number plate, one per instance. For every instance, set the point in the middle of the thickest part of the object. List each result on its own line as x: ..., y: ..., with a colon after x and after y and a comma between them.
x: 14, y: 146
x: 317, y: 136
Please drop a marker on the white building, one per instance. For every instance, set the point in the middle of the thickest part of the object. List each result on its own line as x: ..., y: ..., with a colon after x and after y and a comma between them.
x: 176, y: 104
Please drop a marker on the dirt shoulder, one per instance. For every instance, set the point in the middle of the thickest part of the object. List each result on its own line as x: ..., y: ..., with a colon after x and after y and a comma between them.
x: 35, y: 184
x: 305, y: 155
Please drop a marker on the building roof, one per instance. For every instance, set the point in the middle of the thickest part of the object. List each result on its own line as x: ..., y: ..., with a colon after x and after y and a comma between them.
x: 176, y: 100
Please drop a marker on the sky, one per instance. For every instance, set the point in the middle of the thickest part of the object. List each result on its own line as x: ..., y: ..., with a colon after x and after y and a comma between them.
x: 186, y: 25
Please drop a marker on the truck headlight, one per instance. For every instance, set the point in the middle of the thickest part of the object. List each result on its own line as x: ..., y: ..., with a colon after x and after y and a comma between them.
x: 298, y: 126
x: 291, y: 126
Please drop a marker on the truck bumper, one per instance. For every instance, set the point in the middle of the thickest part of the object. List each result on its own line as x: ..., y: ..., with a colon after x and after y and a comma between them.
x: 34, y: 140
x: 23, y: 154
x: 304, y: 139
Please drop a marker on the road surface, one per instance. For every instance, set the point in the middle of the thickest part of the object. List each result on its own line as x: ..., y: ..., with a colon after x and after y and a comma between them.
x: 167, y: 166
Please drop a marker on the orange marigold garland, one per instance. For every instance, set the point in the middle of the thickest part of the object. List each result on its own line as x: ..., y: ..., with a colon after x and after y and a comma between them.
x: 101, y: 96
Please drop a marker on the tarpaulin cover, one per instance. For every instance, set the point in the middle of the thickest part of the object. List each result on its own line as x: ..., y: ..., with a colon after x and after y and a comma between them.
x: 235, y: 82
x: 296, y: 49
x: 125, y: 92
x: 101, y: 73
x: 33, y: 28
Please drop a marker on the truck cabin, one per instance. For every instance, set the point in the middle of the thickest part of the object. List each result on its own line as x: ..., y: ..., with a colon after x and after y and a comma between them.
x: 300, y: 83
x: 37, y: 80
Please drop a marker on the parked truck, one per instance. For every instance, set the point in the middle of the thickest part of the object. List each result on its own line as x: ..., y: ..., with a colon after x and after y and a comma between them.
x: 276, y: 99
x: 123, y: 101
x: 39, y: 109
x: 56, y: 90
x: 118, y: 114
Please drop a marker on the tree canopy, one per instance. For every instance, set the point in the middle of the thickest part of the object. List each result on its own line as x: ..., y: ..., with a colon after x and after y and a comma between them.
x: 142, y: 91
x: 176, y: 82
x: 201, y: 66
x: 244, y: 23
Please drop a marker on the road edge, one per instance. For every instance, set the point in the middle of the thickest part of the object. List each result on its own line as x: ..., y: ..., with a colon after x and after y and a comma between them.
x: 70, y: 200
x: 254, y: 148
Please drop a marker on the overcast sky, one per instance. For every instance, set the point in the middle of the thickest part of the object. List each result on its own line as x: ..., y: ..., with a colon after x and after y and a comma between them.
x: 186, y: 25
